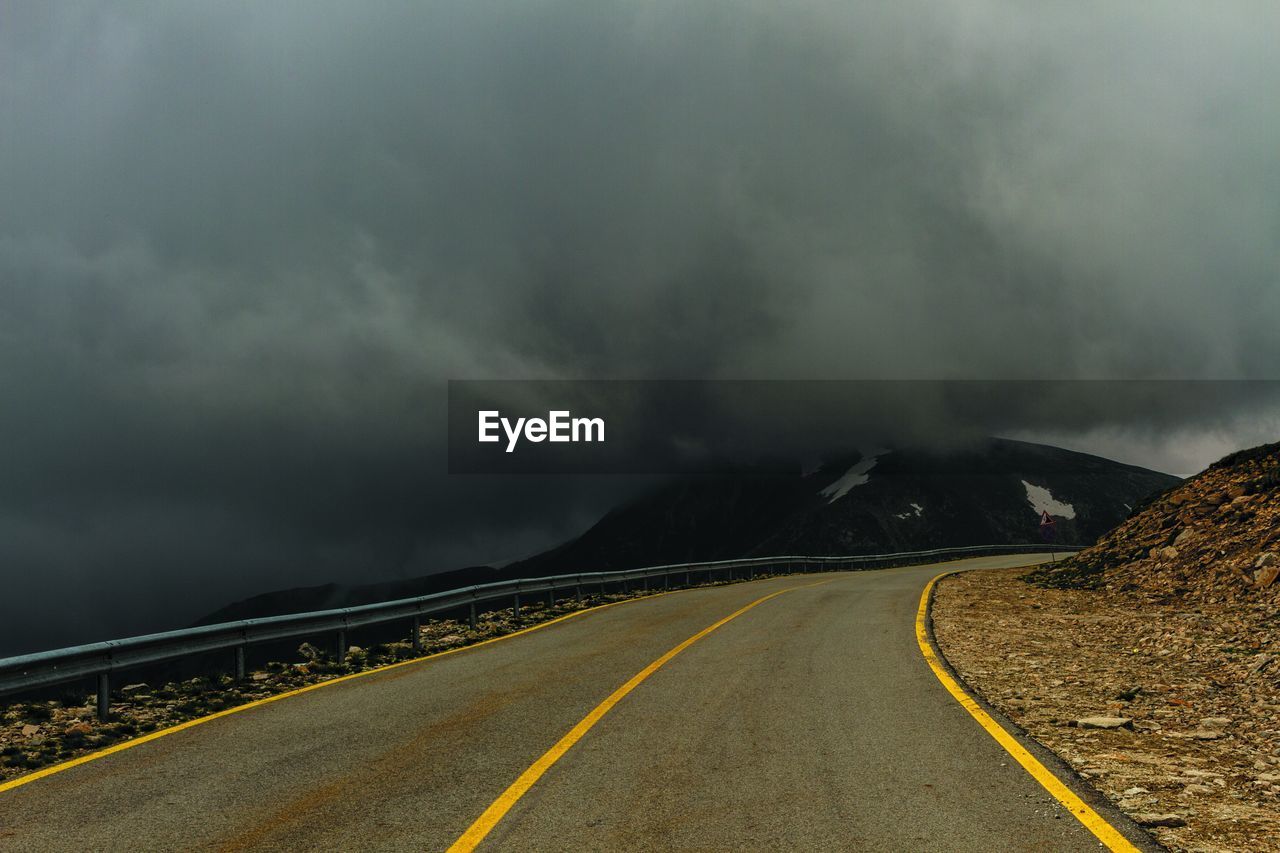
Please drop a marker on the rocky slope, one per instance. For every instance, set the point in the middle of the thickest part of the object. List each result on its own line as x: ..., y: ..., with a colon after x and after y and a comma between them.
x: 1214, y: 538
x: 873, y: 502
x: 1169, y: 708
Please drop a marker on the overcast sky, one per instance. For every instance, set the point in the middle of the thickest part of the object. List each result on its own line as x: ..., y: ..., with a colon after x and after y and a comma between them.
x: 242, y: 245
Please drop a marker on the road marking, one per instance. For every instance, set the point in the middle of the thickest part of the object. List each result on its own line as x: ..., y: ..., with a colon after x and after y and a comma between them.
x: 1094, y: 822
x: 486, y: 822
x: 138, y: 741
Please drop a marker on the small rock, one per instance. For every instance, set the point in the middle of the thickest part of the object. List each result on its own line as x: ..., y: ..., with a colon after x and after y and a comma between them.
x: 1266, y: 577
x: 80, y: 728
x: 354, y: 651
x: 1105, y: 723
x: 1208, y: 734
x: 30, y: 730
x: 1215, y: 723
x: 260, y: 676
x: 133, y: 688
x: 1196, y: 790
x: 1272, y: 778
x: 1168, y: 552
x: 1261, y: 662
x: 1264, y: 560
x: 309, y: 652
x: 1170, y: 820
x: 1133, y: 792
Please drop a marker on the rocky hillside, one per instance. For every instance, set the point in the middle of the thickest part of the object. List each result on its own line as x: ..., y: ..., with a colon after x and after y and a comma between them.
x: 863, y: 503
x: 1214, y: 538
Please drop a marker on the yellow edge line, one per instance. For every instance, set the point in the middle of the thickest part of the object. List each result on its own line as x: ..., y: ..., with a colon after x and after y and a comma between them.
x: 138, y: 741
x: 486, y: 822
x: 1094, y: 822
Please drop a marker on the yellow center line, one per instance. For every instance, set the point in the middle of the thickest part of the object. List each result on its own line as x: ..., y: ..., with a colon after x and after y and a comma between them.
x: 508, y: 798
x: 1094, y: 822
x: 147, y: 738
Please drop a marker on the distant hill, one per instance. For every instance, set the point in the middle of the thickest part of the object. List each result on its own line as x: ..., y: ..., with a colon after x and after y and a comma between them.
x: 862, y: 503
x: 1214, y: 537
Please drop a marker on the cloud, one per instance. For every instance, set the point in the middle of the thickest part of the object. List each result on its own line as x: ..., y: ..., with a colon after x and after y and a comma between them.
x: 244, y: 245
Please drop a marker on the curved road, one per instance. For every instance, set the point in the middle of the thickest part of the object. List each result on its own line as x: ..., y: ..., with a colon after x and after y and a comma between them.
x: 809, y: 722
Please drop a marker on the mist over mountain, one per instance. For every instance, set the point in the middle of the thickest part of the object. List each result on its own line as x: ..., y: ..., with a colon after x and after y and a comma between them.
x: 876, y: 501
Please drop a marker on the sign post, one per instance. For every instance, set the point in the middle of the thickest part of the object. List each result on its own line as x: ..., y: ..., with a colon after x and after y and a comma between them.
x: 1048, y: 532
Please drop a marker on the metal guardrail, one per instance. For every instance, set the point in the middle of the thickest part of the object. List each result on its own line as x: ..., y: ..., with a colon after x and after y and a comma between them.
x: 45, y: 669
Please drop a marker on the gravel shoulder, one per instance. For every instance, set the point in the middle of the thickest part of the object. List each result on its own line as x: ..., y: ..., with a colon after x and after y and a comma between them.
x: 1186, y: 697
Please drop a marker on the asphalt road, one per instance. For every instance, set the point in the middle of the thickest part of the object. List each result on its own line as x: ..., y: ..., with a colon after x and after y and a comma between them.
x: 809, y: 722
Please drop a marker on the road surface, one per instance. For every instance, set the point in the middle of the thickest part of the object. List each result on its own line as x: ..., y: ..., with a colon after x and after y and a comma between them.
x: 809, y: 722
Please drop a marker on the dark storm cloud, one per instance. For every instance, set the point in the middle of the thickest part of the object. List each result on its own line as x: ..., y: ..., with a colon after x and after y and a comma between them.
x: 243, y: 245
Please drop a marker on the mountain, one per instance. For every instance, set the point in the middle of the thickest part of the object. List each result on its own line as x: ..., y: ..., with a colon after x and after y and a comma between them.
x: 1213, y: 538
x: 862, y: 503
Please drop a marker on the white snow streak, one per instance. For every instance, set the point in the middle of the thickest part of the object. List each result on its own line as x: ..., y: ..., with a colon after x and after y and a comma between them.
x: 1042, y: 501
x: 855, y: 476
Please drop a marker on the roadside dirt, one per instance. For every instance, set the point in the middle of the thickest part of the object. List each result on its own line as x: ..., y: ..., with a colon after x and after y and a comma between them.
x: 37, y: 734
x: 1197, y: 685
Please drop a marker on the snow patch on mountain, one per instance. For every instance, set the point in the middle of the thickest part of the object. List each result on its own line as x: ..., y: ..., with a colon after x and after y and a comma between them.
x: 854, y: 477
x: 1042, y: 501
x: 915, y: 512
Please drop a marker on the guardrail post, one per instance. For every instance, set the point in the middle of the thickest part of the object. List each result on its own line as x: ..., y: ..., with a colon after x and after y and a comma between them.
x: 104, y: 695
x: 577, y: 592
x: 751, y: 572
x: 551, y: 598
x: 415, y: 635
x: 515, y: 608
x: 473, y: 616
x: 646, y: 583
x: 666, y: 581
x: 240, y: 668
x: 342, y: 644
x: 626, y: 587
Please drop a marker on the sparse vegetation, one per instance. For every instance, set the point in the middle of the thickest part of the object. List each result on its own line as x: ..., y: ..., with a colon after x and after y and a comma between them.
x: 36, y: 734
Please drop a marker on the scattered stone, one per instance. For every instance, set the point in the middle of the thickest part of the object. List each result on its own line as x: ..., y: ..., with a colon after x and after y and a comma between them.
x: 1169, y: 820
x: 1208, y: 734
x: 133, y: 688
x: 310, y: 652
x: 1135, y: 791
x: 1215, y: 723
x: 1265, y: 560
x: 30, y: 730
x: 260, y: 676
x: 1196, y: 790
x: 80, y: 728
x: 1104, y: 723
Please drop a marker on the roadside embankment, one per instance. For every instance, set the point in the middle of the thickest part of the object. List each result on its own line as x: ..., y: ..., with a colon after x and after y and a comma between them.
x: 1171, y: 708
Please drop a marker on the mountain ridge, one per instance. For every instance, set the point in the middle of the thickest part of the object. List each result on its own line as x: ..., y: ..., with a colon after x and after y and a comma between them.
x: 855, y: 503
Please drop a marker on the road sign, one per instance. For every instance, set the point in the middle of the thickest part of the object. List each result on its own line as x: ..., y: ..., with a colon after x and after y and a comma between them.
x: 1048, y: 529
